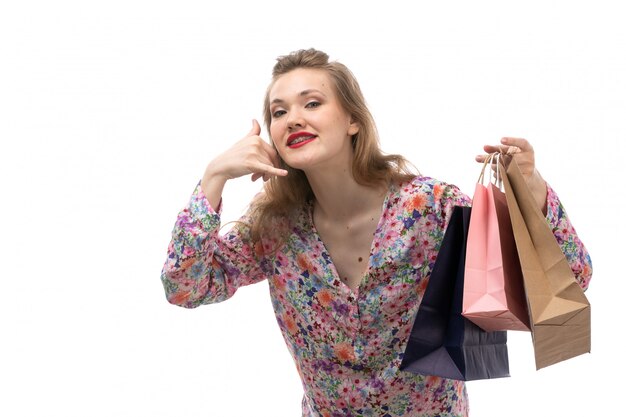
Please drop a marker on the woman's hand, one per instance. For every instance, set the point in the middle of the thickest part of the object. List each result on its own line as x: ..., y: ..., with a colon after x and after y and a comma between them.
x: 523, y: 153
x: 250, y: 155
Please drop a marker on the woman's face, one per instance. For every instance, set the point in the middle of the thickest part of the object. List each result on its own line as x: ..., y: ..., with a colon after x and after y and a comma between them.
x: 309, y: 128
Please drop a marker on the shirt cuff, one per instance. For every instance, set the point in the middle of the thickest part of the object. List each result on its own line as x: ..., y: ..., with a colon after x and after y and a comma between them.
x: 201, y: 210
x: 553, y: 207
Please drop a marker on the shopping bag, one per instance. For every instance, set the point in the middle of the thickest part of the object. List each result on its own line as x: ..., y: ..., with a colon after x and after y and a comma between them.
x: 443, y: 342
x: 560, y: 314
x: 493, y: 295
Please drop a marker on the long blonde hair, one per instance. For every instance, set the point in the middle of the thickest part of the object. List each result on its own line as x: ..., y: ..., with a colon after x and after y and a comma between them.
x: 283, y: 196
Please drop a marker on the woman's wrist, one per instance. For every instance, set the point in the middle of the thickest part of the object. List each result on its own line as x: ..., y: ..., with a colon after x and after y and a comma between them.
x: 212, y: 185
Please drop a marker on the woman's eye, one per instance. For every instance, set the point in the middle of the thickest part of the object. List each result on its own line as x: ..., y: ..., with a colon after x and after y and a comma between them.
x: 278, y: 113
x: 313, y: 104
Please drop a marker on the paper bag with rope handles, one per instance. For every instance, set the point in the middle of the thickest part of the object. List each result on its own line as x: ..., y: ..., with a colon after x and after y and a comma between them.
x: 493, y: 296
x: 560, y: 314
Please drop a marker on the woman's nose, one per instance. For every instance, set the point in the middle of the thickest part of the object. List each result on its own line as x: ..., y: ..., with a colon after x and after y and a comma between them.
x: 295, y: 120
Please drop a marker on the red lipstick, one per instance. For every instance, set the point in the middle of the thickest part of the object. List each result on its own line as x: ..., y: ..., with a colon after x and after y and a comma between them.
x: 298, y: 139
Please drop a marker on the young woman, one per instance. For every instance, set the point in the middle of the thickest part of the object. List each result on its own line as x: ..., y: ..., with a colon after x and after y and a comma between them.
x: 345, y: 235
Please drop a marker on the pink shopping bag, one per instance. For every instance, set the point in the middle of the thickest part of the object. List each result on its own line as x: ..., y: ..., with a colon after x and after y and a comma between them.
x: 493, y: 297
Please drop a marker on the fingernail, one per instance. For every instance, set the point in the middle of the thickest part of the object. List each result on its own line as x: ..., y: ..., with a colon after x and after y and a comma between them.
x: 505, y: 140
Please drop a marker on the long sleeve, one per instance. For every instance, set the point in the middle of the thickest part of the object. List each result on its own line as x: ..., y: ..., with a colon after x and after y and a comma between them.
x: 571, y: 245
x: 203, y: 267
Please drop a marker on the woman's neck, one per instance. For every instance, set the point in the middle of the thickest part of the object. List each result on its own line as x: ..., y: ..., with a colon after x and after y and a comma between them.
x: 338, y: 197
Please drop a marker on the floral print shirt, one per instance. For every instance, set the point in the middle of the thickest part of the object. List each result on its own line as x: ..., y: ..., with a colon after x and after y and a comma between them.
x: 347, y: 345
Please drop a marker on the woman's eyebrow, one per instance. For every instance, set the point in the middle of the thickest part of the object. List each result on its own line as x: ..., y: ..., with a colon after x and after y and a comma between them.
x: 302, y: 93
x: 309, y: 91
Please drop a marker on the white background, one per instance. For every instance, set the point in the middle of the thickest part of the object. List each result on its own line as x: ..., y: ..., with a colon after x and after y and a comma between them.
x: 110, y: 111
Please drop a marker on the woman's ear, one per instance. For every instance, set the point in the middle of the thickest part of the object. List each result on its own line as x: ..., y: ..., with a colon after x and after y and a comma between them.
x: 353, y: 129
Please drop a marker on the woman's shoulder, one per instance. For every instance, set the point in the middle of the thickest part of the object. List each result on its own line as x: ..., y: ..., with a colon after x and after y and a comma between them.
x: 425, y: 184
x: 430, y: 192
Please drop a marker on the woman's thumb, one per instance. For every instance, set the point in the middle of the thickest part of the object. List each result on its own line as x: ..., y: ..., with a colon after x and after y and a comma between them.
x: 256, y: 128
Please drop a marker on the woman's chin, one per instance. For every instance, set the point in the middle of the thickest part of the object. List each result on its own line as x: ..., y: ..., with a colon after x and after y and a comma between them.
x: 302, y: 163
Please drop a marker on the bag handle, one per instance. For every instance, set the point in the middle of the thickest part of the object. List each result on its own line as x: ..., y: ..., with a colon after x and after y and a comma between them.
x: 498, y: 182
x: 490, y: 160
x: 481, y: 177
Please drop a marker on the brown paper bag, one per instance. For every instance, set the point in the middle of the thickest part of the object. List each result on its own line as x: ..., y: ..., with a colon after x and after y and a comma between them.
x: 559, y: 311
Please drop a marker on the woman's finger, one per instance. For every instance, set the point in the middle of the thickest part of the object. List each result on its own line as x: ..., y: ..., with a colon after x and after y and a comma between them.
x: 266, y: 171
x: 272, y: 154
x: 503, y: 149
x: 279, y: 172
x: 271, y: 161
x: 255, y: 130
x: 522, y: 144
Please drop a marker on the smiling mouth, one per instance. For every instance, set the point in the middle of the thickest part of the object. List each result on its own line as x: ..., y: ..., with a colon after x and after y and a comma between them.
x: 300, y: 139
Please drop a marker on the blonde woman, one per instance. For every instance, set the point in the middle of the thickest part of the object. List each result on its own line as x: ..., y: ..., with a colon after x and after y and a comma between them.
x: 346, y: 236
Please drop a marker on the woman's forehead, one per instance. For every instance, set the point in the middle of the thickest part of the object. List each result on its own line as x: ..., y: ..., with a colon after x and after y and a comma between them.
x: 297, y: 81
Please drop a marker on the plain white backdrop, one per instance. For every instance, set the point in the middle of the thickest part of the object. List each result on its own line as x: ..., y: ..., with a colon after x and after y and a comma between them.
x: 110, y: 111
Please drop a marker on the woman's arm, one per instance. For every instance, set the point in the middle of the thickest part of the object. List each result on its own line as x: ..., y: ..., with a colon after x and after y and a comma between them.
x: 203, y: 267
x: 571, y: 245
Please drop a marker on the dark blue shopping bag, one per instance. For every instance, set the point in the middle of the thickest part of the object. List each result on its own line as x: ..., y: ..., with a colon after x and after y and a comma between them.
x: 443, y: 342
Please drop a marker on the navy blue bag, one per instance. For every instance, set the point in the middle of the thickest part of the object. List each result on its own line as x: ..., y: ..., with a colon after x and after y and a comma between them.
x: 443, y: 342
